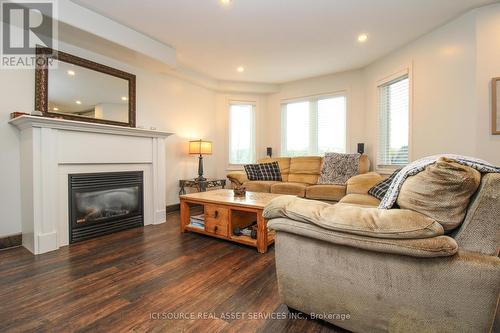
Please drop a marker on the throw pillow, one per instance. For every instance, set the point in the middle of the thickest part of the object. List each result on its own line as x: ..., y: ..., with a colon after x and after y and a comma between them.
x: 270, y: 171
x: 338, y: 168
x: 263, y: 171
x: 442, y: 191
x: 378, y: 191
x: 253, y: 171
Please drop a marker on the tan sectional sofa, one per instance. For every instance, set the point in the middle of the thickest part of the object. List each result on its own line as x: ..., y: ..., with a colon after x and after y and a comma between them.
x: 390, y: 270
x: 357, y: 189
x: 300, y: 176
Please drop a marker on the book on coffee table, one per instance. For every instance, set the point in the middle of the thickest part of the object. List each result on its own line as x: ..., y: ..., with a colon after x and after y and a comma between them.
x: 197, y: 221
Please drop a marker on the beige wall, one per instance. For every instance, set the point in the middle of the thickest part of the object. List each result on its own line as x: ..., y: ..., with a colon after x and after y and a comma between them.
x: 487, y: 67
x: 16, y: 94
x: 443, y: 112
x: 451, y: 68
x: 348, y: 82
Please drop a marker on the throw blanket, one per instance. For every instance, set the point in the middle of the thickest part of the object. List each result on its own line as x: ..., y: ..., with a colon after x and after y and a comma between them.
x: 413, y: 168
x: 338, y: 168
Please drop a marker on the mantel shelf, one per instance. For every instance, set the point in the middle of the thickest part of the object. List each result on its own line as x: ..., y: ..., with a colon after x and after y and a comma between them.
x: 24, y: 122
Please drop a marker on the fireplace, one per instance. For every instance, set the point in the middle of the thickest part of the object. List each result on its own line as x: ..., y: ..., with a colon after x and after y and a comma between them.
x: 103, y: 203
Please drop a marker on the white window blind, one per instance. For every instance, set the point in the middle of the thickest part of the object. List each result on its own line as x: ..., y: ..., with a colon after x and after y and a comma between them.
x: 241, y: 133
x: 314, y: 126
x: 394, y: 97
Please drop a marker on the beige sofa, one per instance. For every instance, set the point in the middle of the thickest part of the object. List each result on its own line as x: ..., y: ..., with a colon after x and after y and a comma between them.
x: 417, y: 279
x: 300, y: 175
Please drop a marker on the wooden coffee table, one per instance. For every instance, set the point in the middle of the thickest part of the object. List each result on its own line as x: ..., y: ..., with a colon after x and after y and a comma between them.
x: 223, y: 212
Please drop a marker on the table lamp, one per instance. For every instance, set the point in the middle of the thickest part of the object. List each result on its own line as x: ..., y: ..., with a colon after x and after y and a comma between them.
x: 200, y: 147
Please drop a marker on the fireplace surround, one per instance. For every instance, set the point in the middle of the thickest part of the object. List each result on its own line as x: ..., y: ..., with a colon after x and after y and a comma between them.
x: 52, y: 149
x: 103, y: 203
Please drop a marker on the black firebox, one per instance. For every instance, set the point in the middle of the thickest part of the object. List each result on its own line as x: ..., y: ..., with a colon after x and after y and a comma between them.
x: 103, y: 203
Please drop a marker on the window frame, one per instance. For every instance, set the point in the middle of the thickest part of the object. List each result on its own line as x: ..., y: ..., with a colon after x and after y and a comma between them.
x: 313, y: 118
x: 239, y: 166
x: 405, y: 71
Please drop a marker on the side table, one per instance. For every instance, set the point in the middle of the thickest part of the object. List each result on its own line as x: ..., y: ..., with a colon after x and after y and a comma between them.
x: 202, y: 186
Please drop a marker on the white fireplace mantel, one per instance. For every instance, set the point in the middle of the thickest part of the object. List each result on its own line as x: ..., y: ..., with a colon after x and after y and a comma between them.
x: 51, y: 149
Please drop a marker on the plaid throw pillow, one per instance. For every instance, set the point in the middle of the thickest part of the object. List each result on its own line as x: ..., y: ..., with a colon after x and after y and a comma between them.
x: 263, y: 171
x: 270, y: 171
x: 378, y: 191
x: 253, y: 171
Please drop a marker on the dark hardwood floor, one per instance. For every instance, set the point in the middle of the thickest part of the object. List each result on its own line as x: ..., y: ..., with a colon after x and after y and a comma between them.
x: 145, y: 279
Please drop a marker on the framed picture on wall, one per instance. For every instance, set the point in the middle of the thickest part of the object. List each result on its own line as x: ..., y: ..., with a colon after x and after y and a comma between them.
x: 495, y: 111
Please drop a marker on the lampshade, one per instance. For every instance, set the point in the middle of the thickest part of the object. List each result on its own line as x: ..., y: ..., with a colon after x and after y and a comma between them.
x: 200, y: 147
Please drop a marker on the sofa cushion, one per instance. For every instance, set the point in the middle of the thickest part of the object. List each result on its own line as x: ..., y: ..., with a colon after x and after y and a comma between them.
x: 298, y: 189
x: 308, y: 165
x: 305, y: 169
x: 361, y: 184
x: 259, y: 185
x: 440, y: 246
x: 325, y: 192
x: 442, y: 191
x: 237, y: 177
x: 366, y: 221
x: 303, y: 178
x: 338, y: 168
x: 360, y: 199
x: 364, y: 164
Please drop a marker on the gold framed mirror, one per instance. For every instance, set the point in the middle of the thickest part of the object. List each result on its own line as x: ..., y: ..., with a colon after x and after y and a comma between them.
x: 495, y: 106
x: 70, y: 87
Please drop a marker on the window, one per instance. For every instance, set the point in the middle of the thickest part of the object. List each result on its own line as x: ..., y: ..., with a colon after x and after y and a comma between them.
x: 241, y: 133
x: 394, y: 111
x: 314, y: 126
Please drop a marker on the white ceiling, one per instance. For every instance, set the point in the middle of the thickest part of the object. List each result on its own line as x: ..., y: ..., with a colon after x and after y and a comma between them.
x: 281, y: 40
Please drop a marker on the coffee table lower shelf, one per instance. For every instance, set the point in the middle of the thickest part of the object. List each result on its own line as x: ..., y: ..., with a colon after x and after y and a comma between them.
x: 222, y: 213
x: 238, y: 239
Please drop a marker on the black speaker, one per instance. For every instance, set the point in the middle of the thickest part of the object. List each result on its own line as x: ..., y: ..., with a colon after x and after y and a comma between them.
x: 361, y: 148
x: 269, y: 151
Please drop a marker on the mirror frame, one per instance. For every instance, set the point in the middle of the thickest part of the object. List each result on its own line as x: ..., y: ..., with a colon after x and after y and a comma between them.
x: 44, y: 56
x: 494, y: 101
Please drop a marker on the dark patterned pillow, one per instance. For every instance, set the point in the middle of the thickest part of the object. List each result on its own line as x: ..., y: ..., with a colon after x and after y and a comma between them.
x: 253, y: 171
x: 378, y: 191
x: 270, y: 171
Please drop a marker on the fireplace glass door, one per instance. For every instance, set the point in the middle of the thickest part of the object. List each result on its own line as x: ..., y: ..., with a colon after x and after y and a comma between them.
x: 102, y: 203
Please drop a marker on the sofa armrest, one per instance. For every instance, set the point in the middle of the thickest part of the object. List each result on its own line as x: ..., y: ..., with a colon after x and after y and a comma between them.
x: 439, y: 246
x: 360, y: 184
x: 354, y: 219
x: 237, y: 178
x: 480, y: 230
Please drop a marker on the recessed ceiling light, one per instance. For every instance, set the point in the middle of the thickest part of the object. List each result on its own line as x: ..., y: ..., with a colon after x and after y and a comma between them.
x: 225, y: 2
x: 240, y: 69
x: 362, y: 38
x: 55, y: 109
x: 72, y: 73
x: 78, y: 102
x: 124, y: 98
